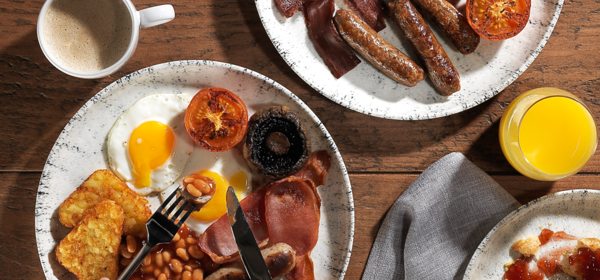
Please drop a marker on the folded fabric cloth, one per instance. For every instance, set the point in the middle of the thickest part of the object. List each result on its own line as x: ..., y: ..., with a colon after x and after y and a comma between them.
x: 434, y: 227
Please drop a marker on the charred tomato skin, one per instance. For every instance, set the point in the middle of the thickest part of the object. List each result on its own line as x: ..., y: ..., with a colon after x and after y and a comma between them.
x: 216, y: 119
x: 497, y: 20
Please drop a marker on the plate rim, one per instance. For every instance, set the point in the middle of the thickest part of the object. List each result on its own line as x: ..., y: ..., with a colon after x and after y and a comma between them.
x: 485, y: 96
x: 211, y: 63
x: 532, y: 204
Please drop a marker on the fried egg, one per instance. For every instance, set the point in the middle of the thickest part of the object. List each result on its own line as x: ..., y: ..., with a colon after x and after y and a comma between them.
x: 148, y: 146
x: 228, y: 168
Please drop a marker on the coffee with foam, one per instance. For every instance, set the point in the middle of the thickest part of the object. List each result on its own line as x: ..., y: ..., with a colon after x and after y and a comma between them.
x: 87, y: 35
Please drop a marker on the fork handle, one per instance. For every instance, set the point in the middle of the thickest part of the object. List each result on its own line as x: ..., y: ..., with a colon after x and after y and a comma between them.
x: 135, y: 262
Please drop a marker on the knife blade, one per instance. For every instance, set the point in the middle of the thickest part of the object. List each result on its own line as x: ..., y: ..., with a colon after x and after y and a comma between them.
x: 249, y: 252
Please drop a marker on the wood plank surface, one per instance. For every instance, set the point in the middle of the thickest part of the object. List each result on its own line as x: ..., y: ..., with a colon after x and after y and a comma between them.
x: 382, y: 156
x: 36, y: 100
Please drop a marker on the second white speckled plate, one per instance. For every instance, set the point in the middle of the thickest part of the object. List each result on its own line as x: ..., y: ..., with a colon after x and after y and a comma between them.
x: 575, y: 212
x: 484, y: 73
x: 80, y: 149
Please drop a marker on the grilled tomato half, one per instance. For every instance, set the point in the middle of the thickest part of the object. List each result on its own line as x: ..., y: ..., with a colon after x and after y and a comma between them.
x: 216, y: 119
x: 497, y: 20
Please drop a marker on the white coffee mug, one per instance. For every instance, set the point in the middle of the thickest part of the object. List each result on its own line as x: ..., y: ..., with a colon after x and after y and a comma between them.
x: 139, y: 20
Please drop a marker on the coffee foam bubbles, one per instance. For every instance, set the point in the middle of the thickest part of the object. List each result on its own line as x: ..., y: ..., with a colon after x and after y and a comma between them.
x: 87, y: 35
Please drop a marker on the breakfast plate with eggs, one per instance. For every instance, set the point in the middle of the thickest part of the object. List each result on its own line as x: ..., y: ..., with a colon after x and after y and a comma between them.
x: 116, y: 130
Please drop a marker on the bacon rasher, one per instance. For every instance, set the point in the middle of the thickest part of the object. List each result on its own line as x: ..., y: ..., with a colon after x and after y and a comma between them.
x: 332, y: 49
x: 370, y: 11
x: 217, y: 241
x: 318, y: 16
x: 289, y: 7
x: 288, y: 210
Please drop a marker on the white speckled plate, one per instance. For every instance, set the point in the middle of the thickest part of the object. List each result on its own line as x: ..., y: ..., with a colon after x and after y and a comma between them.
x: 80, y: 149
x: 484, y: 73
x: 575, y: 212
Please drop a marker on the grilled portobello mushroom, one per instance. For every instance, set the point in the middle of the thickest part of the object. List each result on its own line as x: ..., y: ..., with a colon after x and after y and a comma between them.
x: 277, y: 143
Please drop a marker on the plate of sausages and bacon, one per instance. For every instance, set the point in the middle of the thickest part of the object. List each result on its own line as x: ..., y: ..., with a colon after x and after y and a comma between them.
x: 304, y: 206
x: 408, y: 59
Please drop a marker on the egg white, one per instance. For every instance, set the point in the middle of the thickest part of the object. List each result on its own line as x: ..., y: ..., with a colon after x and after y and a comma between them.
x: 168, y: 109
x: 225, y: 163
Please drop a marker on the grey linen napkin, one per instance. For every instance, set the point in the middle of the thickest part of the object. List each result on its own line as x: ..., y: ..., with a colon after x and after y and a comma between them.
x: 434, y: 227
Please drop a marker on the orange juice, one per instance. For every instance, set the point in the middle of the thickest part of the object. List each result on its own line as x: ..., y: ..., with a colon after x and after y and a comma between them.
x: 547, y: 134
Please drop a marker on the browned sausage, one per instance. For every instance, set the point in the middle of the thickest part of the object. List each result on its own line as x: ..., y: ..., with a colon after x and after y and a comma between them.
x: 439, y: 67
x: 452, y: 23
x: 280, y: 259
x: 362, y: 38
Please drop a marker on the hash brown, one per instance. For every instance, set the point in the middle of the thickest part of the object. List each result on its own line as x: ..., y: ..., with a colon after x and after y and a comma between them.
x: 103, y: 184
x: 90, y: 250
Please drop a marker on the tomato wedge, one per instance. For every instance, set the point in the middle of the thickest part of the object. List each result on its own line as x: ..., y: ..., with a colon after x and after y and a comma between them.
x: 216, y: 119
x: 498, y: 19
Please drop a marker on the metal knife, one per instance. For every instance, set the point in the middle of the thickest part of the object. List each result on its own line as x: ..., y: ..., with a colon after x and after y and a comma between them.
x: 249, y: 251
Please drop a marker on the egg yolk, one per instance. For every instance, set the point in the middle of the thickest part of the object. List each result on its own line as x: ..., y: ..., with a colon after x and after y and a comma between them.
x: 150, y: 145
x: 217, y: 206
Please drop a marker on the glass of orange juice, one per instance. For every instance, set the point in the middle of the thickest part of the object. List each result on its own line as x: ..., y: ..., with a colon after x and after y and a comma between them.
x: 548, y: 134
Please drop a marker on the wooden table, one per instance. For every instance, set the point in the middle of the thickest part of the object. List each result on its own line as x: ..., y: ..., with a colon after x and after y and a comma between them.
x: 382, y: 156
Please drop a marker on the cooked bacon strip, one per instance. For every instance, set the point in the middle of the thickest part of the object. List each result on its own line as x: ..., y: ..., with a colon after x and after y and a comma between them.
x: 336, y: 55
x: 293, y: 215
x: 370, y: 11
x: 289, y: 7
x: 316, y: 168
x: 304, y: 269
x: 217, y: 241
x: 293, y: 212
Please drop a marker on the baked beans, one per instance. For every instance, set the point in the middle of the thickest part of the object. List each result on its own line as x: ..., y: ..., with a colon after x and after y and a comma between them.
x: 146, y: 269
x: 181, y: 259
x: 147, y: 260
x: 158, y: 260
x: 197, y: 184
x: 124, y: 252
x: 125, y: 262
x: 167, y: 271
x: 193, y: 190
x: 131, y: 244
x: 198, y: 274
x: 183, y: 254
x: 167, y: 255
x: 180, y: 244
x: 190, y: 240
x: 195, y: 252
x: 176, y: 266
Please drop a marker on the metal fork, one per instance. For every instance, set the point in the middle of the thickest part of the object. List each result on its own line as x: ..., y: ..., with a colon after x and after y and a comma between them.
x: 165, y: 223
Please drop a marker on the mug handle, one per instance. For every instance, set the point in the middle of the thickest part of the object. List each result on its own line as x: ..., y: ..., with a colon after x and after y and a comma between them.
x: 156, y: 15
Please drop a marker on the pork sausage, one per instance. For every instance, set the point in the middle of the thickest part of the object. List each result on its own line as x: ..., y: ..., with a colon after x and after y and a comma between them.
x: 280, y: 259
x: 453, y: 24
x: 442, y: 73
x: 362, y: 38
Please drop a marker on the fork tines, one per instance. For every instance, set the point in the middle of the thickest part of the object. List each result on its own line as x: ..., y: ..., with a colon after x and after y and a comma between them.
x: 186, y: 208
